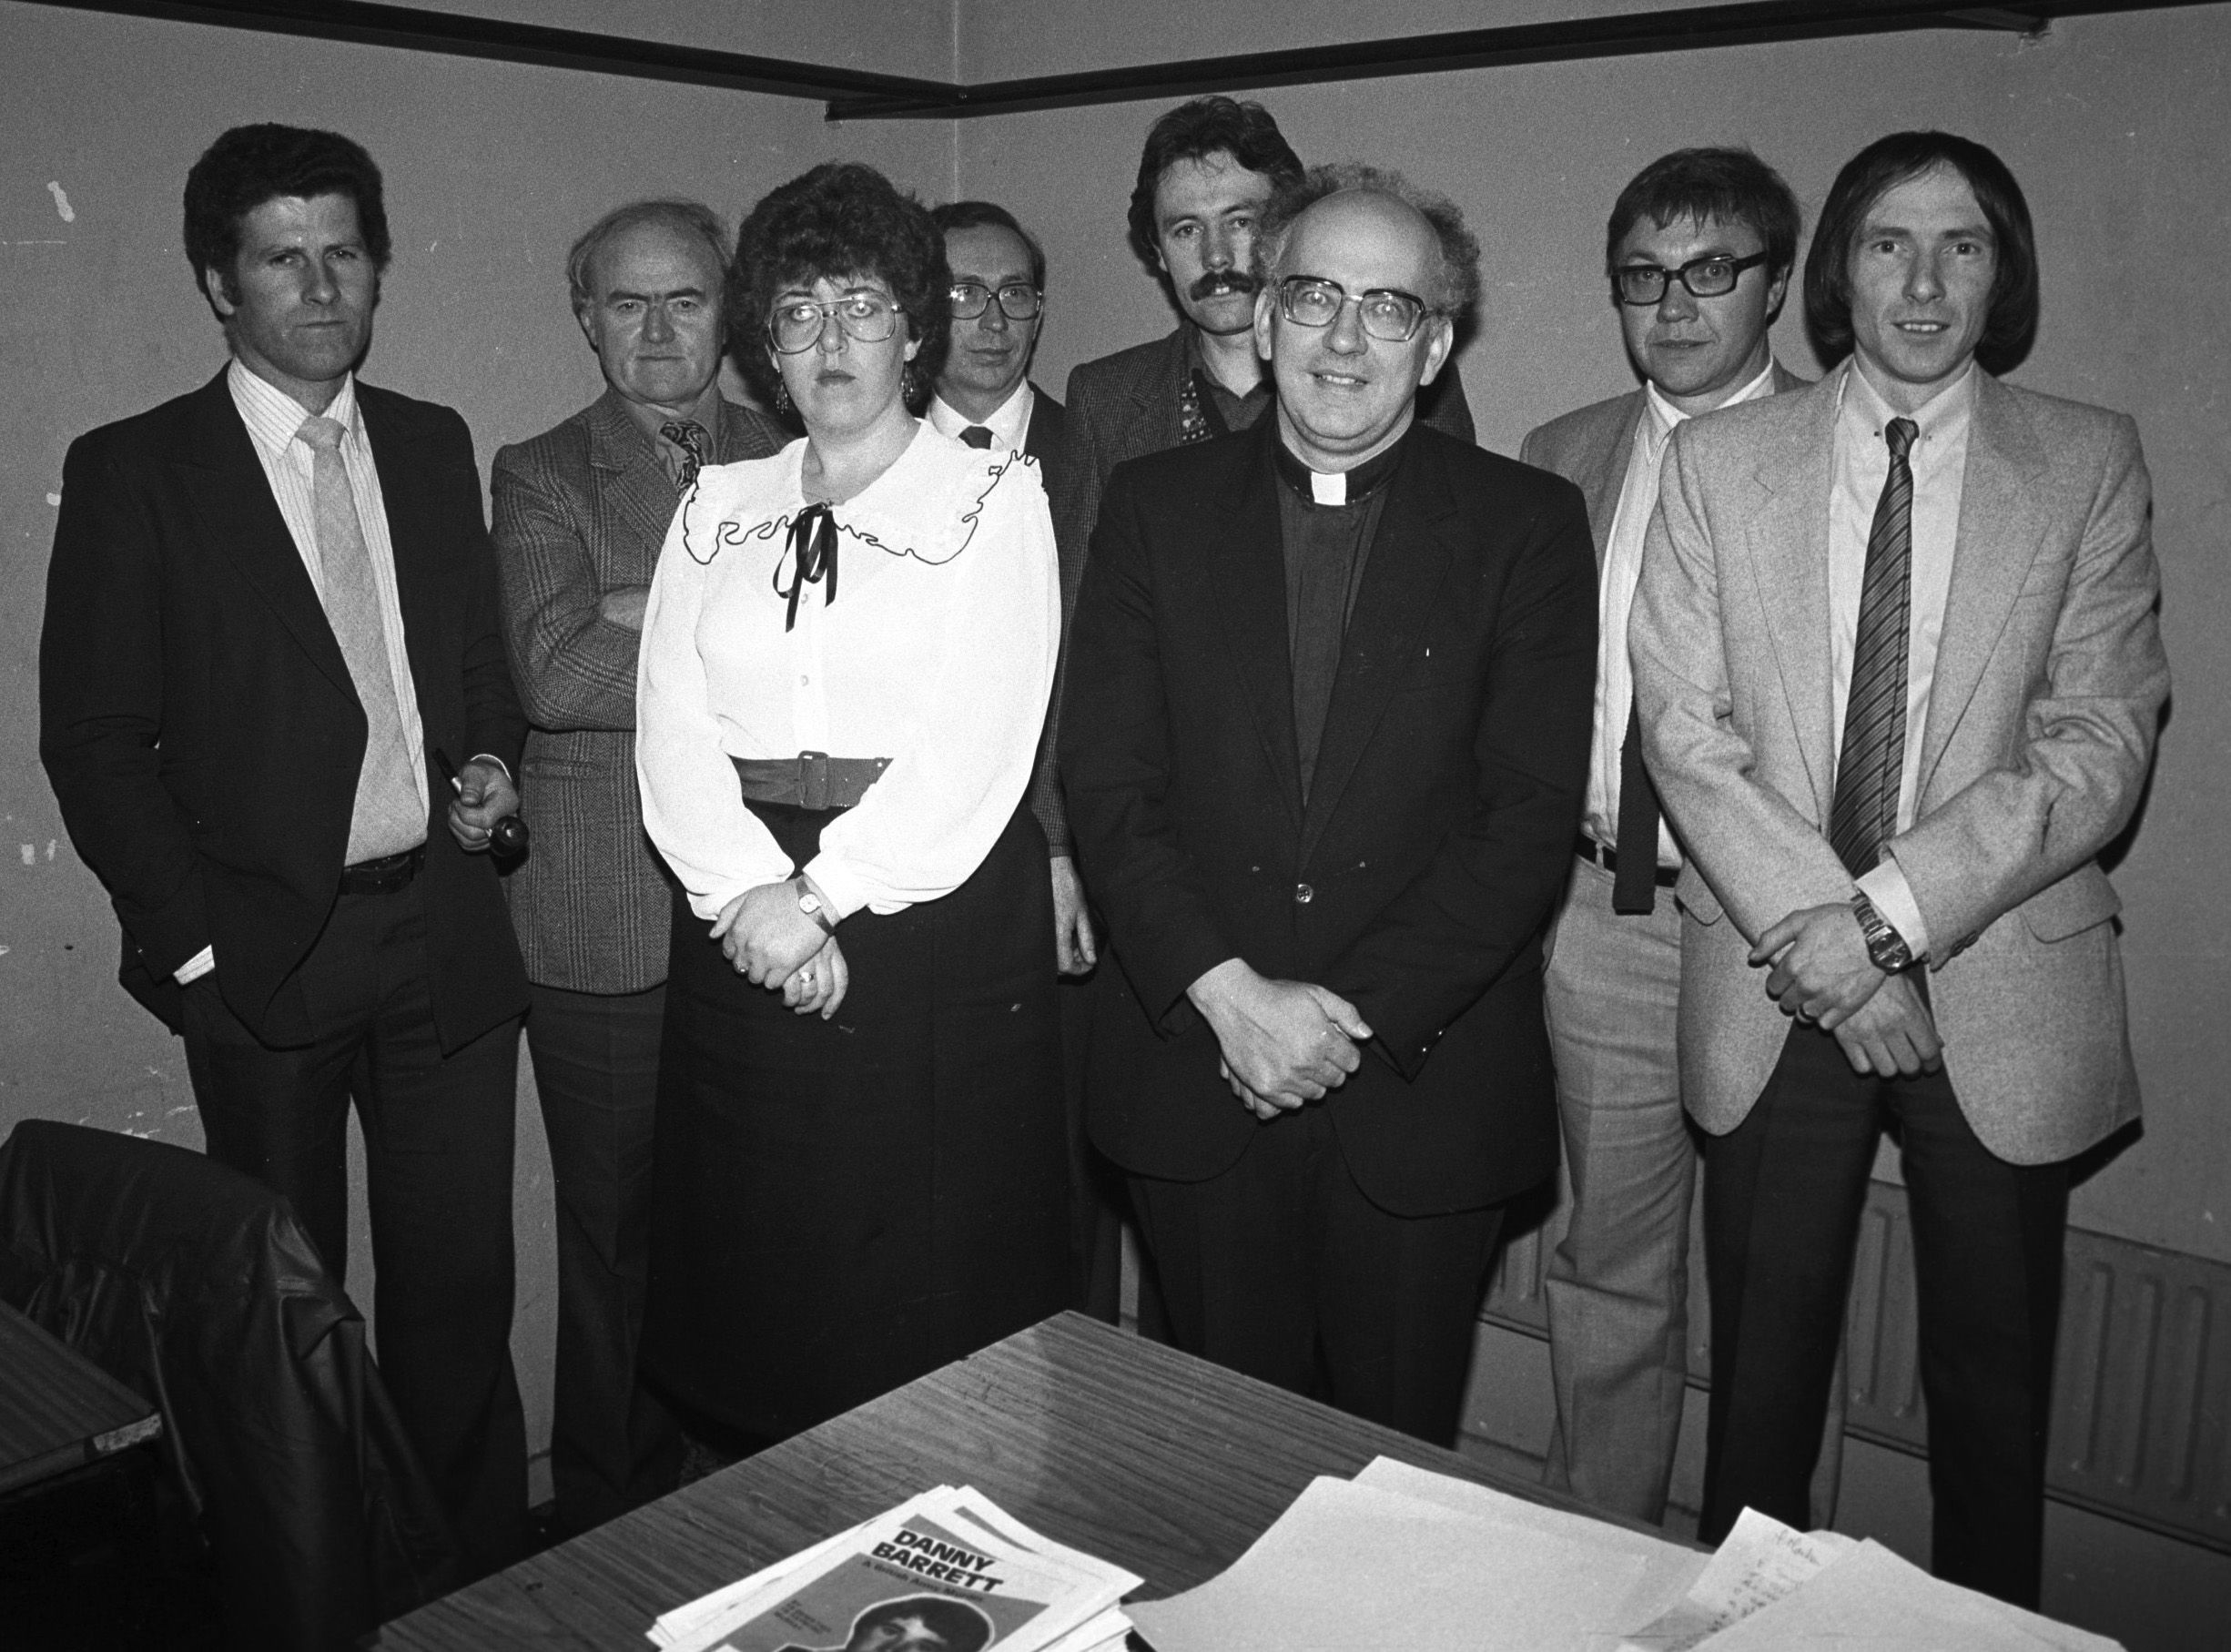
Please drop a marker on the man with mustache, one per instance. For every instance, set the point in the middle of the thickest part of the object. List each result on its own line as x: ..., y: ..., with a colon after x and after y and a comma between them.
x: 272, y: 602
x: 1900, y: 673
x: 1697, y: 252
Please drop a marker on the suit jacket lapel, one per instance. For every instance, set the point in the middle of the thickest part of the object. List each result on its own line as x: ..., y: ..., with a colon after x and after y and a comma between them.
x: 632, y: 478
x: 1409, y: 560
x: 1154, y: 399
x: 2001, y: 527
x: 1787, y: 539
x: 1603, y: 478
x: 226, y: 480
x: 1247, y: 570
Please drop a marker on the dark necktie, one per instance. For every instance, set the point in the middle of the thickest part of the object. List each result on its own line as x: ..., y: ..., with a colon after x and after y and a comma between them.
x: 689, y: 436
x: 1864, y: 814
x: 977, y: 436
x: 1634, y: 883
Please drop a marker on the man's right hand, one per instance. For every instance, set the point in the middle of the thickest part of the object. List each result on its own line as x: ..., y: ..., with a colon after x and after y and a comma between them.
x: 624, y: 605
x: 1892, y: 1033
x: 1282, y: 1042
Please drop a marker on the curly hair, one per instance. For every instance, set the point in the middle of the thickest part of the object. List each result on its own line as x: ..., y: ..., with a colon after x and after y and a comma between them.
x: 841, y: 219
x: 1873, y: 173
x: 687, y: 220
x: 1457, y: 287
x: 248, y: 166
x: 1731, y: 185
x: 1194, y: 131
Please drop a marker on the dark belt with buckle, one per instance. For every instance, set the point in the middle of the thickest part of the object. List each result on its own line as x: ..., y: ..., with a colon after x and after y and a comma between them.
x: 1587, y: 848
x: 811, y: 780
x: 384, y: 875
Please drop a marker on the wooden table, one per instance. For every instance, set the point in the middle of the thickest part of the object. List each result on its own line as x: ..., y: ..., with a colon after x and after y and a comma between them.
x: 58, y: 1410
x: 1125, y: 1448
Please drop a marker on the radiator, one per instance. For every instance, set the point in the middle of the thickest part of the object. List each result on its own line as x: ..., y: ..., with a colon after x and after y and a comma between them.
x: 2142, y: 1387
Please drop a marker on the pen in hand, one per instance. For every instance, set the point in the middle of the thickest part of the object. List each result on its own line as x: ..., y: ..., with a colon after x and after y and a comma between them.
x: 508, y: 834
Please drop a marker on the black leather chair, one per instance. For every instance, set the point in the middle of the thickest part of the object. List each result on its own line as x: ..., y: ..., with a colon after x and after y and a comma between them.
x: 193, y: 1285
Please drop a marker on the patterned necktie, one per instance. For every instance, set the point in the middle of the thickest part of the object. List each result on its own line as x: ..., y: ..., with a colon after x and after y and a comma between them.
x: 977, y: 436
x: 387, y: 816
x: 689, y: 436
x: 1864, y: 814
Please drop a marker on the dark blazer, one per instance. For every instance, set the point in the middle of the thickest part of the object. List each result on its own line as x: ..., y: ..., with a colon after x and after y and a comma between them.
x: 198, y: 721
x: 582, y: 510
x: 1049, y: 427
x: 1415, y: 879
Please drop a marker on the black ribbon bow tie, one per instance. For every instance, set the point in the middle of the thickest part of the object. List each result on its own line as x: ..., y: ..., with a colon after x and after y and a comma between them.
x: 813, y: 559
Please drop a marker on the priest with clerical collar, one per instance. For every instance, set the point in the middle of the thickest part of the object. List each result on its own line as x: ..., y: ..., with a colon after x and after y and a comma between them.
x: 1331, y: 689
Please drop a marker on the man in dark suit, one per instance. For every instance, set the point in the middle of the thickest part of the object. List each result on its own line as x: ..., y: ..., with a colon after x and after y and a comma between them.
x: 579, y: 513
x: 271, y: 603
x: 1699, y: 252
x: 1324, y: 760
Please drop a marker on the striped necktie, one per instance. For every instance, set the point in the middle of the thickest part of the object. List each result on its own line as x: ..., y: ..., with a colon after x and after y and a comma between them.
x: 387, y: 816
x: 1863, y: 815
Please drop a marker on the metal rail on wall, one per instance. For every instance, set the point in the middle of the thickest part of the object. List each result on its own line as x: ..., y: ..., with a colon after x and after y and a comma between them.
x: 860, y: 94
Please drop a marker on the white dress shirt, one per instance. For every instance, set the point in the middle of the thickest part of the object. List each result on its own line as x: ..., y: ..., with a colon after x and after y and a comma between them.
x: 937, y: 654
x: 1939, y: 460
x: 273, y: 418
x: 1010, y: 423
x: 1615, y: 675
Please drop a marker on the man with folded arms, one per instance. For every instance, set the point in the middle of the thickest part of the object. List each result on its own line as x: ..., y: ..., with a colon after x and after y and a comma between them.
x: 1324, y: 759
x: 1899, y: 675
x: 270, y: 615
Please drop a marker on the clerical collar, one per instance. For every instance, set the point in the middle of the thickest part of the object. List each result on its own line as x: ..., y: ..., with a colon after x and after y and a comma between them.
x: 1338, y: 486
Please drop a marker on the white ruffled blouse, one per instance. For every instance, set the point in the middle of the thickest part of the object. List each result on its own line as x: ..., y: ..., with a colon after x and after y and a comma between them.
x: 937, y: 652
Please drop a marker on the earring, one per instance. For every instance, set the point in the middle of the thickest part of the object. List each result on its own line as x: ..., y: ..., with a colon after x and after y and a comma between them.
x: 910, y: 386
x: 782, y: 399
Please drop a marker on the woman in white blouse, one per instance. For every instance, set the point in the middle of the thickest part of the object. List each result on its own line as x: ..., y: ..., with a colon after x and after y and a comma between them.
x: 846, y: 662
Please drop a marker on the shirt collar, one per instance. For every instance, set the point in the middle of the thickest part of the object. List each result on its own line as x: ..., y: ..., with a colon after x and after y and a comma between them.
x: 273, y: 417
x: 1354, y: 486
x: 1007, y: 421
x: 1665, y: 417
x: 1942, y: 418
x: 706, y: 414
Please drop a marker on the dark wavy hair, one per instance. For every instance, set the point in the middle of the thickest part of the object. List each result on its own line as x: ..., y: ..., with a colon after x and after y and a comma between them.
x: 1880, y: 168
x: 840, y: 219
x: 1732, y: 185
x: 685, y: 219
x: 248, y: 166
x: 991, y: 215
x: 1458, y: 287
x: 1194, y: 131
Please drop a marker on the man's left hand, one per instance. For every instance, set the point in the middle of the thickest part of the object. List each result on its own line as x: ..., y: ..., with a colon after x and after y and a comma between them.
x: 765, y: 937
x: 485, y: 795
x: 1073, y: 951
x: 1820, y: 969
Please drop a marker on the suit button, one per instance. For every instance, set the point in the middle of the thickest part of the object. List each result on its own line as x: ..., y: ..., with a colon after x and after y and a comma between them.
x: 1304, y: 894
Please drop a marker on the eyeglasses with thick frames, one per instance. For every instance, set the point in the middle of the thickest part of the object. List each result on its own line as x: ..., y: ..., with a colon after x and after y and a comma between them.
x: 1709, y: 277
x: 1387, y: 313
x: 1018, y: 300
x: 797, y: 324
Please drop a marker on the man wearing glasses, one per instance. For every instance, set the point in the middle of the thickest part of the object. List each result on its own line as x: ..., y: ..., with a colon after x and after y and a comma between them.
x: 1325, y: 754
x: 1699, y: 251
x: 984, y: 394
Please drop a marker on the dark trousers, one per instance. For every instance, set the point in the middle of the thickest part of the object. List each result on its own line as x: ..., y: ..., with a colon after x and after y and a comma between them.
x: 612, y: 1444
x: 1095, y: 1186
x: 437, y: 1159
x: 1281, y: 1269
x: 1782, y: 1197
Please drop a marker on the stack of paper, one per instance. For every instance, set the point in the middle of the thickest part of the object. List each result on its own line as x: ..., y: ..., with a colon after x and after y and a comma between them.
x: 948, y: 1568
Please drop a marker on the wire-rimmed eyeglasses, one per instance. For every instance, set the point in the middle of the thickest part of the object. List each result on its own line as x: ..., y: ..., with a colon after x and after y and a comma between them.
x: 1387, y: 313
x: 797, y: 324
x: 1709, y: 277
x: 1018, y: 300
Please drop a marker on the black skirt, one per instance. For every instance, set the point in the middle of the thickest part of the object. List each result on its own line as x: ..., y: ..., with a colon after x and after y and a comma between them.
x: 844, y: 1205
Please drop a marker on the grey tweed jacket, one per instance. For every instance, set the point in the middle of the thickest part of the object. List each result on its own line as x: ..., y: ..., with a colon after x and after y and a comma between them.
x: 582, y: 510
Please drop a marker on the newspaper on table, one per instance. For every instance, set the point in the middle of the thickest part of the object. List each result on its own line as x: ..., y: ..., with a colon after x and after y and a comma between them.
x: 950, y: 1562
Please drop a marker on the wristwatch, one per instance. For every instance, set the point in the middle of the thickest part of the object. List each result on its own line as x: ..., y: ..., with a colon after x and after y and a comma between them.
x: 1885, y: 945
x: 810, y: 904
